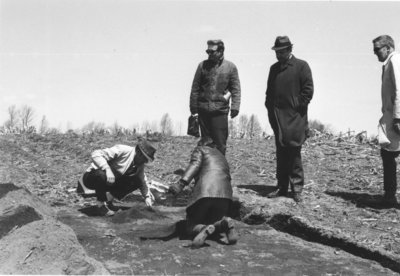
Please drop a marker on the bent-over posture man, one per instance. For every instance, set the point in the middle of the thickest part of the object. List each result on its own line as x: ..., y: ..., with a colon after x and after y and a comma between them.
x: 118, y: 171
x: 208, y: 208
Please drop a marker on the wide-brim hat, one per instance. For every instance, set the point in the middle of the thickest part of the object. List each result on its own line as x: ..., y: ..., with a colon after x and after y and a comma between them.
x: 281, y: 42
x: 147, y: 149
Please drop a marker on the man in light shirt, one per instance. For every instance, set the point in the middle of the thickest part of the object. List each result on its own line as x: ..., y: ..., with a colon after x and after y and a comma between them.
x: 118, y: 171
x: 389, y: 123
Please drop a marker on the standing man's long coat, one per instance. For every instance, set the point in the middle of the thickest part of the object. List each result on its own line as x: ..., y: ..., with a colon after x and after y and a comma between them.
x: 290, y: 90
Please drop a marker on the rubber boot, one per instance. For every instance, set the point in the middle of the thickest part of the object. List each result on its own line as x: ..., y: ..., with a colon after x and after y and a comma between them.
x: 201, y: 237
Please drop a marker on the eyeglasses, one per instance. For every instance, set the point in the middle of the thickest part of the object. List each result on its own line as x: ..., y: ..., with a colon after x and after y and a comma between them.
x: 211, y: 52
x: 377, y: 49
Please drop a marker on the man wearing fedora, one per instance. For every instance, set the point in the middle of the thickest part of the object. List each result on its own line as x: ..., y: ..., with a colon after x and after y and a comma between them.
x: 118, y: 171
x: 215, y: 85
x: 289, y: 91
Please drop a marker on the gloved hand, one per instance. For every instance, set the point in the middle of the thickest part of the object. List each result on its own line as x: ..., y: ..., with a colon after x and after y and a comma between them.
x: 110, y: 176
x: 396, y: 126
x: 149, y: 200
x: 177, y: 187
x: 234, y: 113
x: 196, y: 115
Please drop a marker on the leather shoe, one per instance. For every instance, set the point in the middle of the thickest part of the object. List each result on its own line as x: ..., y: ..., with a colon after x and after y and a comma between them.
x: 276, y: 193
x: 298, y: 198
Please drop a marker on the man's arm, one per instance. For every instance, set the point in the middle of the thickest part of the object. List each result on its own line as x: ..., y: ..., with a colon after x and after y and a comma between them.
x: 395, y: 62
x: 234, y: 88
x: 194, y: 166
x: 307, y: 85
x: 194, y: 94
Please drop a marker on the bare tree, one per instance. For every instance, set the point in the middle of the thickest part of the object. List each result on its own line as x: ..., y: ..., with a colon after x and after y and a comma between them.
x: 233, y: 128
x: 26, y: 114
x: 242, y: 127
x: 166, y: 127
x: 12, y: 121
x: 253, y: 127
x: 44, y: 125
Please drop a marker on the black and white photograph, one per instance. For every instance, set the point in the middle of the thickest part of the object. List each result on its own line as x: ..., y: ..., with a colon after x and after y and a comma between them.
x: 199, y: 137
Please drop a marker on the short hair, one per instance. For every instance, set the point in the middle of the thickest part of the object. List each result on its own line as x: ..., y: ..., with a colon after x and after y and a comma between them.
x: 219, y: 43
x: 385, y: 40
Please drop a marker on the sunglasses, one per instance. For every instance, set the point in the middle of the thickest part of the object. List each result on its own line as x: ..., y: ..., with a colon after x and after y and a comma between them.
x: 377, y: 49
x: 211, y: 52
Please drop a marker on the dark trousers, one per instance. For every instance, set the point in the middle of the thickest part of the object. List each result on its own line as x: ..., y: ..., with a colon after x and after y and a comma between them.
x: 216, y: 127
x: 289, y: 168
x: 389, y: 171
x: 204, y: 212
x: 97, y: 180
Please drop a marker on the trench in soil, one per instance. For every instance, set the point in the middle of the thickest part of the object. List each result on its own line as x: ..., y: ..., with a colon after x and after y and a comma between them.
x: 290, y: 225
x: 95, y: 241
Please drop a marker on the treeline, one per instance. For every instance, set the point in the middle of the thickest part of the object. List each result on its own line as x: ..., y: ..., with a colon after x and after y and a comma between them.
x: 23, y: 120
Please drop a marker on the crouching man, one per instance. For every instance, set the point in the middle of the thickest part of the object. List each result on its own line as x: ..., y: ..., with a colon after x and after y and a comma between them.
x: 118, y: 171
x: 208, y: 208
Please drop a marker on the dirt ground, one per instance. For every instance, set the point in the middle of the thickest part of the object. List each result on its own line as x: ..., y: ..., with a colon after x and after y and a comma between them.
x: 339, y: 229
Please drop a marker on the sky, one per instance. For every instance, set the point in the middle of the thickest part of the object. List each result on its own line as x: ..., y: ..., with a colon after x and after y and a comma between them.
x: 77, y: 61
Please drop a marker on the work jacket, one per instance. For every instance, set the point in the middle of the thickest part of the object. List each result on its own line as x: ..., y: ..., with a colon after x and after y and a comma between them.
x: 391, y: 100
x: 210, y: 171
x: 289, y: 91
x: 211, y: 82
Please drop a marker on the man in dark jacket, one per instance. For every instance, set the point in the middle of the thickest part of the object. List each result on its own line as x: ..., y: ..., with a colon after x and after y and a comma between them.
x: 290, y: 90
x: 215, y: 82
x: 208, y: 208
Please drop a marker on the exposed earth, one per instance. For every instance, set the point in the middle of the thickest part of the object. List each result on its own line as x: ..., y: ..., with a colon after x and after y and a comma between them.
x: 339, y: 229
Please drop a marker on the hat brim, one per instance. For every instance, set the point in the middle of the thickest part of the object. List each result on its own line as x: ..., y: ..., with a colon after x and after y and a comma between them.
x: 281, y: 47
x: 145, y: 155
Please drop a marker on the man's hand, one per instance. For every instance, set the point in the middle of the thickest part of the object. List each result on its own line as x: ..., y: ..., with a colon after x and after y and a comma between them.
x: 396, y: 126
x: 196, y: 115
x: 110, y: 176
x: 234, y: 113
x: 176, y: 188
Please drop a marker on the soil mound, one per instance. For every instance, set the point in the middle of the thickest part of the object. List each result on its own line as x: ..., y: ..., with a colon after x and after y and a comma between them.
x: 33, y: 242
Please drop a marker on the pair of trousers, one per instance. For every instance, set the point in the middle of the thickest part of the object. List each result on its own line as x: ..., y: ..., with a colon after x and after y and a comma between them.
x: 206, y: 211
x: 289, y: 168
x: 97, y: 180
x: 389, y: 171
x: 216, y: 127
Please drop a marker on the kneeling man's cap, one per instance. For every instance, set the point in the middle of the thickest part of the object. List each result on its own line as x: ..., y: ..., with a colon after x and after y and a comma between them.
x: 147, y: 149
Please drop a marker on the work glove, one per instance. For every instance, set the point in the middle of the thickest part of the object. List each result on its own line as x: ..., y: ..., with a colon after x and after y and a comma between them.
x: 196, y: 115
x: 177, y: 187
x: 396, y: 126
x: 149, y: 200
x: 110, y: 176
x: 234, y: 113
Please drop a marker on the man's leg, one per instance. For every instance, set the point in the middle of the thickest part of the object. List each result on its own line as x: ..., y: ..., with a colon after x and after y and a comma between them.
x: 219, y: 131
x: 97, y: 180
x: 296, y: 173
x: 389, y: 173
x: 205, y: 124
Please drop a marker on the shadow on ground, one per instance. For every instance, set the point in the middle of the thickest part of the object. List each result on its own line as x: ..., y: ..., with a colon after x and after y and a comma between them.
x: 363, y: 200
x: 261, y: 190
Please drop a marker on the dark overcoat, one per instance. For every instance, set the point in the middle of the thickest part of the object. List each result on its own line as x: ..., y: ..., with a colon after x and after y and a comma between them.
x: 210, y: 170
x: 289, y: 91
